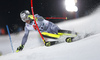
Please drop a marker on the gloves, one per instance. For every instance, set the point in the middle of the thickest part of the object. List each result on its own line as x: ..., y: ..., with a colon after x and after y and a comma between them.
x: 20, y: 48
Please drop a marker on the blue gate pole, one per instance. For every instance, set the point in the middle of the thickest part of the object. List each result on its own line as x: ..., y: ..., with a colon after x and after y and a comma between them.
x: 10, y: 38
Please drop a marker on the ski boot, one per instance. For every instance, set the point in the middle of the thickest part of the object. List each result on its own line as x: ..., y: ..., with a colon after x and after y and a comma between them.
x: 50, y: 43
x: 69, y: 39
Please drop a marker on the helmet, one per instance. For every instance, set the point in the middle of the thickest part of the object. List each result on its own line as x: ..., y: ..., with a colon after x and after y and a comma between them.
x: 24, y: 15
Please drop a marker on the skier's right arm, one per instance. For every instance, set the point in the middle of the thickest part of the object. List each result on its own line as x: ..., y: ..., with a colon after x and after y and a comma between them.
x: 23, y: 40
x: 25, y: 36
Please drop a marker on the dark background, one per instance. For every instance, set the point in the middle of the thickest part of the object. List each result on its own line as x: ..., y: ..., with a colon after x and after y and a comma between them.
x: 10, y: 10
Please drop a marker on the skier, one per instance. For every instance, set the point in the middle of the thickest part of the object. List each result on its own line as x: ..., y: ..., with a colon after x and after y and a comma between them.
x: 44, y: 26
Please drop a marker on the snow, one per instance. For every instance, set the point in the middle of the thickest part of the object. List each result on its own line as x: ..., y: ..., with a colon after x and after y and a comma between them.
x: 84, y: 49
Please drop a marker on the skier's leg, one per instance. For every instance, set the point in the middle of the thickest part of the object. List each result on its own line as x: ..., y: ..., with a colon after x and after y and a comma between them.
x: 67, y: 31
x: 64, y: 31
x: 52, y: 28
x: 52, y: 31
x: 50, y: 35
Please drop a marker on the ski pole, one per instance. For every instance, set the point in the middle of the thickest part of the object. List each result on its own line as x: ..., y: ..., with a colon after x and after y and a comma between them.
x: 35, y: 21
x: 10, y: 38
x: 55, y: 18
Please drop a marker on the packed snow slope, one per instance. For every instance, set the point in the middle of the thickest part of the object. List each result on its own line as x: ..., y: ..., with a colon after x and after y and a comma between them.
x: 85, y: 49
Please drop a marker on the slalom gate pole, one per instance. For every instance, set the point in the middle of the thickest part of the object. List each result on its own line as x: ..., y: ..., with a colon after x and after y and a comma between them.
x: 10, y: 38
x: 56, y: 18
x: 35, y: 21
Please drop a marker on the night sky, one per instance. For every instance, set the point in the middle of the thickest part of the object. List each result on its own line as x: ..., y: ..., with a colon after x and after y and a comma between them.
x: 10, y: 9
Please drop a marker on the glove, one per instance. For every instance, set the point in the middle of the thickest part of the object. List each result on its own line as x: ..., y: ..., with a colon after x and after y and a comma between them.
x: 20, y: 48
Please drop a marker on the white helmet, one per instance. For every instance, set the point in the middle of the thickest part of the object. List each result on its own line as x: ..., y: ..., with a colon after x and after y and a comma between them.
x: 24, y: 15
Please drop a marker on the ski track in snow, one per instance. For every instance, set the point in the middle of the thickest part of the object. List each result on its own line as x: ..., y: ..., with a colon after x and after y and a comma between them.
x: 84, y: 49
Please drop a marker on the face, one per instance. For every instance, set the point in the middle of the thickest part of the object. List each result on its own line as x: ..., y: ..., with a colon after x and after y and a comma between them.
x: 28, y: 21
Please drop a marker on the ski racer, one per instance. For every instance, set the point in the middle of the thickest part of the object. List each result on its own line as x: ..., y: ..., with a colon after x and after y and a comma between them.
x: 44, y: 26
